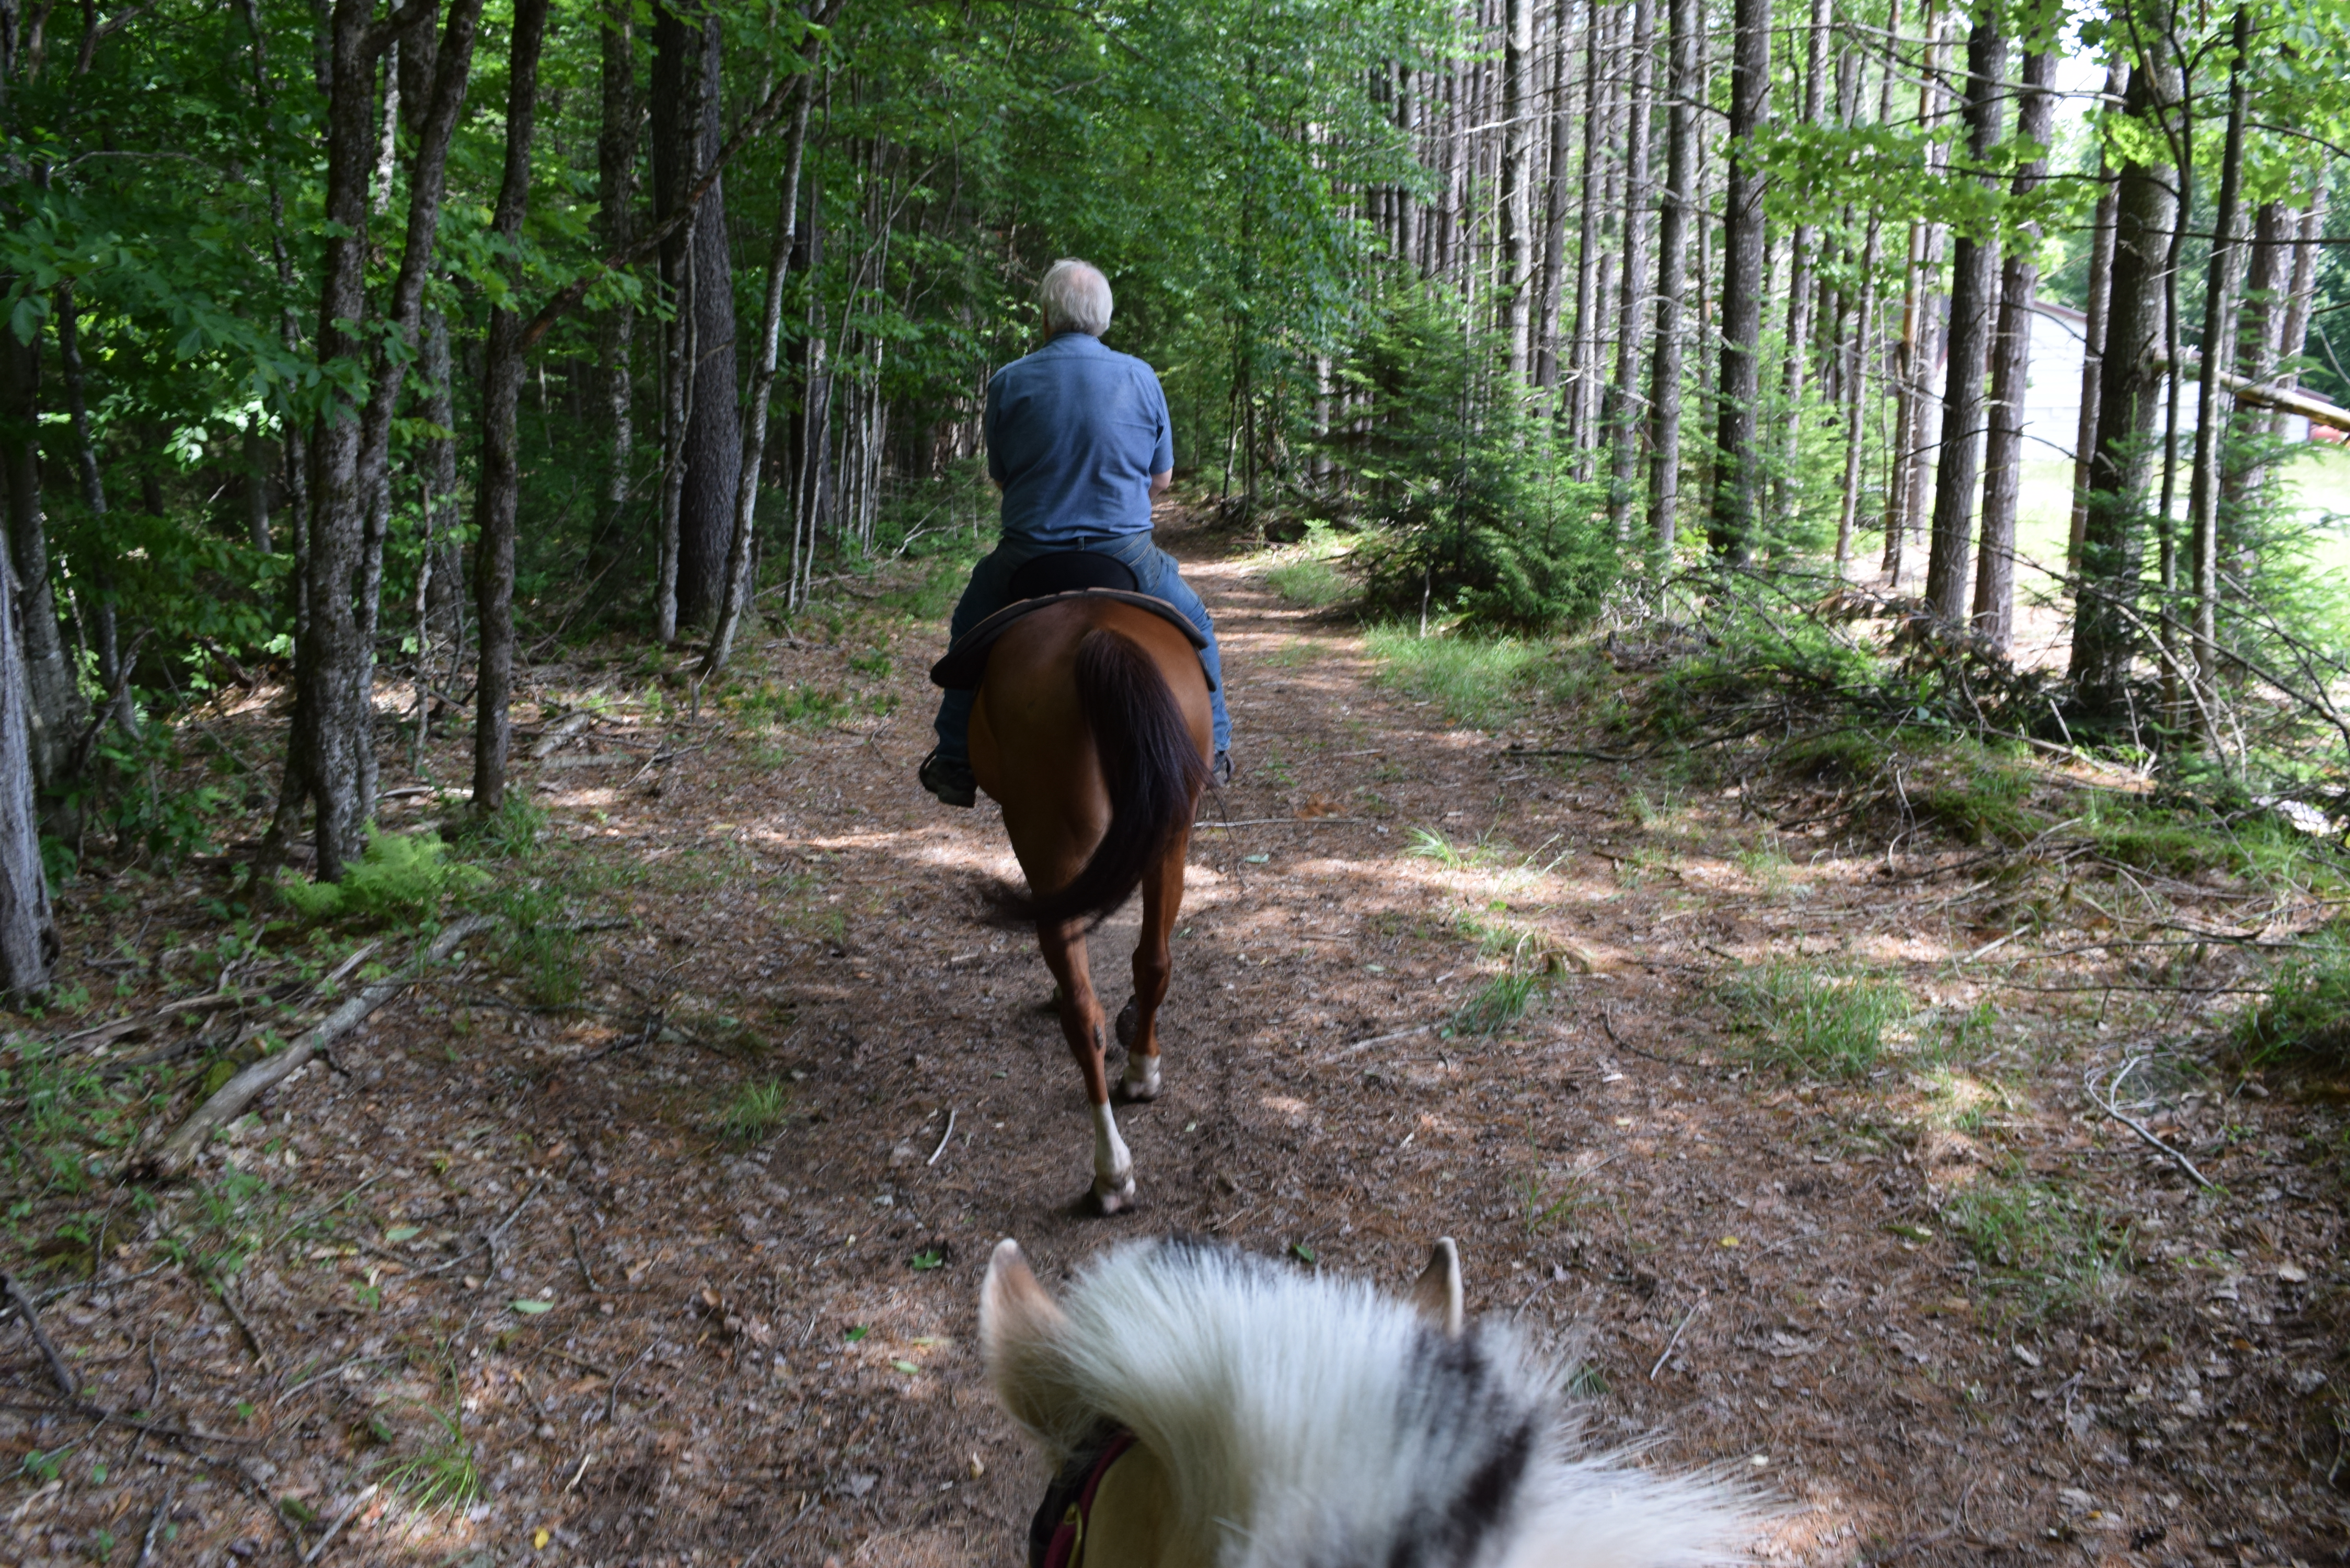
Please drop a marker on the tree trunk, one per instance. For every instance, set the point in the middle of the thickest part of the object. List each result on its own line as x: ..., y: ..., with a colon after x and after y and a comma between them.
x: 1994, y: 597
x: 1623, y: 393
x: 763, y: 381
x: 1581, y: 354
x: 1974, y: 272
x: 2221, y: 275
x: 616, y: 195
x: 53, y: 713
x: 1737, y: 457
x: 2121, y: 471
x: 1795, y: 364
x: 28, y: 933
x: 2244, y: 458
x: 2293, y: 341
x: 445, y: 587
x: 1562, y: 151
x: 1517, y: 151
x: 687, y: 49
x: 99, y: 594
x: 1684, y: 17
x: 2100, y: 284
x: 501, y: 480
x: 329, y: 748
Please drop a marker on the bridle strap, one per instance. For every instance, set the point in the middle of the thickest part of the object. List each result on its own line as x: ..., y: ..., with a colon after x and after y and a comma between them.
x: 1067, y: 1547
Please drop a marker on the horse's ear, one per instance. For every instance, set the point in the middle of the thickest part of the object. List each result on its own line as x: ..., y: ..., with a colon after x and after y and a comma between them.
x: 1020, y: 1328
x: 1436, y: 1291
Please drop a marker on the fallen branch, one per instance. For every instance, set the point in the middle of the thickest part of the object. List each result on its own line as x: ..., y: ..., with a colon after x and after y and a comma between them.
x: 2109, y: 1103
x: 178, y: 1151
x: 336, y: 1528
x: 31, y: 1319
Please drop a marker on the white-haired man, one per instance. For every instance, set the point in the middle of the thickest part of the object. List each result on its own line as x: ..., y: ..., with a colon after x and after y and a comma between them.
x: 1079, y: 442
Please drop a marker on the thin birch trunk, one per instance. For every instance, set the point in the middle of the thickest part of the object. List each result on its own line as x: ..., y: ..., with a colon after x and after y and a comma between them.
x: 1684, y: 17
x: 1624, y: 418
x: 1994, y: 595
x: 2101, y: 285
x: 2220, y: 273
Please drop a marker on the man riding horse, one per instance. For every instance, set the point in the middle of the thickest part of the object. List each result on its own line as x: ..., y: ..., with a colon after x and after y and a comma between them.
x: 1079, y: 442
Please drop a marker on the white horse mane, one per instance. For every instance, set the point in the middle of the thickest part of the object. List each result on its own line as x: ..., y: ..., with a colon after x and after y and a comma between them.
x: 1312, y: 1422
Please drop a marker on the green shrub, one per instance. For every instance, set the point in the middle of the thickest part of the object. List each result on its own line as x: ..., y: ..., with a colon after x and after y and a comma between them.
x: 1809, y: 1021
x: 401, y: 876
x: 1467, y: 498
x: 2306, y: 1019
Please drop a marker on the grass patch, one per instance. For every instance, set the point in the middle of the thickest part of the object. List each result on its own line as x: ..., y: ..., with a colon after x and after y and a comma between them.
x: 1501, y: 1002
x: 1482, y: 682
x: 2043, y: 1249
x: 1840, y: 757
x: 1987, y: 802
x: 756, y: 1110
x: 1311, y: 582
x: 444, y: 1476
x: 2305, y: 1020
x: 1808, y: 1021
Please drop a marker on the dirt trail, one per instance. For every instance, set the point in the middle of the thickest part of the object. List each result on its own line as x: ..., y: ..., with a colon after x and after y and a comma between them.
x: 763, y: 1349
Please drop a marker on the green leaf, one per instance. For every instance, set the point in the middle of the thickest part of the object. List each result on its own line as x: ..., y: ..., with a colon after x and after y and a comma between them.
x: 403, y: 1232
x: 530, y: 1309
x: 907, y: 1367
x: 926, y: 1260
x: 1302, y: 1253
x: 854, y: 1334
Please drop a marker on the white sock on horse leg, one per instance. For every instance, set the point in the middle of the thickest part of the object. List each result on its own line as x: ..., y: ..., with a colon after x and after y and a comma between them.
x: 1113, y: 1167
x: 1141, y: 1077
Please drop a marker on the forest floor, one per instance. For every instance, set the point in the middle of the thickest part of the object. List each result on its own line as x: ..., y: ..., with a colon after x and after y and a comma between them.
x: 656, y: 1238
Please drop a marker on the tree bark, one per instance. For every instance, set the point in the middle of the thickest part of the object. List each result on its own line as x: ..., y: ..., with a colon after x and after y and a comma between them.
x: 687, y: 47
x: 29, y: 932
x: 616, y: 194
x: 2221, y: 275
x: 1562, y: 153
x: 1737, y: 472
x: 499, y: 488
x: 53, y: 714
x: 445, y: 585
x: 1517, y: 148
x: 1684, y: 17
x: 1974, y: 272
x: 1582, y: 346
x: 2101, y: 285
x: 1623, y: 393
x: 1795, y: 364
x: 2121, y: 471
x: 1994, y: 596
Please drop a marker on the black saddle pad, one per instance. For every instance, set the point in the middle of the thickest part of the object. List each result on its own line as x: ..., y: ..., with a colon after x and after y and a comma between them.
x: 965, y: 664
x: 1068, y: 571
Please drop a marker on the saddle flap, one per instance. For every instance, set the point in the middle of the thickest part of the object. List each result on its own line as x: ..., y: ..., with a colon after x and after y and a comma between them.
x: 964, y: 665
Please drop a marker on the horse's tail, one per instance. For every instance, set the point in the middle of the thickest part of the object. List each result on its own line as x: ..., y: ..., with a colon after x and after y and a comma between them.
x: 1151, y: 765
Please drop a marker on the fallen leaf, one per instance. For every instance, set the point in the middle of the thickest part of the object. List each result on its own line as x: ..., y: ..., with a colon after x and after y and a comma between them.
x: 530, y: 1309
x: 907, y: 1367
x: 403, y: 1232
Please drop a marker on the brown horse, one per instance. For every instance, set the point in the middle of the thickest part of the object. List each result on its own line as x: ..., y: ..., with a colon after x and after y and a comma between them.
x: 1091, y: 729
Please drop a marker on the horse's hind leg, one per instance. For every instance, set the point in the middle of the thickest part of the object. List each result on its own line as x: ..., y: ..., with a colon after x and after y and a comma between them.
x: 1137, y: 1025
x: 1064, y: 947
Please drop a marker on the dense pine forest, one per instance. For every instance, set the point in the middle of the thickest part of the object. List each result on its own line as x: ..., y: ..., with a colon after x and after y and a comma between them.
x: 484, y: 480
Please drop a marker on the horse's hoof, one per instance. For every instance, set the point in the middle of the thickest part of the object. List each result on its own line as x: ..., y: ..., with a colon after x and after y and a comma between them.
x: 1128, y: 1019
x: 1145, y: 1086
x: 1099, y: 1204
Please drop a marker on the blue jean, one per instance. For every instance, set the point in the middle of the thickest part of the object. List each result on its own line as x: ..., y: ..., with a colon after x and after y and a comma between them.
x: 1154, y: 574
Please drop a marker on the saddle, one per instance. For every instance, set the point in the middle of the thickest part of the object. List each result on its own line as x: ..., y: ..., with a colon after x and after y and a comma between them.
x: 1050, y: 580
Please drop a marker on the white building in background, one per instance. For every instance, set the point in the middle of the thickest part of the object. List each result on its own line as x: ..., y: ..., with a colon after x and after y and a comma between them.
x: 2052, y: 396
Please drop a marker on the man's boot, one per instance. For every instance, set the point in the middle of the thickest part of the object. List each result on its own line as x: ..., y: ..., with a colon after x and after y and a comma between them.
x: 949, y: 780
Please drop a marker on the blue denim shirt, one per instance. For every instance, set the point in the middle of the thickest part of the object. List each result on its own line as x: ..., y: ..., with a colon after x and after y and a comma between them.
x: 1074, y: 433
